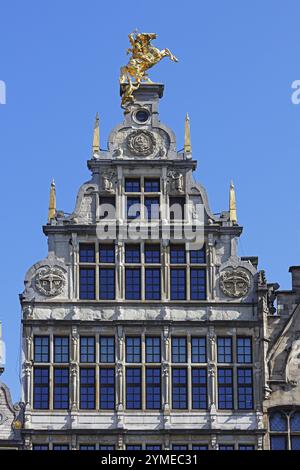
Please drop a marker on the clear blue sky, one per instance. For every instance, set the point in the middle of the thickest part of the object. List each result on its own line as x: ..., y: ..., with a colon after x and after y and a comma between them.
x: 60, y: 61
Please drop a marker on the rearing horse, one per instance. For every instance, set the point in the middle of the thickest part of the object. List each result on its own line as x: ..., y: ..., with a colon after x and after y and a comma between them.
x: 144, y: 56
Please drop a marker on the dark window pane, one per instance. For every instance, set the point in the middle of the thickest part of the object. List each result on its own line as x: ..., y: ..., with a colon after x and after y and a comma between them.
x: 179, y: 447
x: 61, y: 389
x: 132, y: 254
x: 133, y: 349
x: 153, y: 447
x: 295, y: 422
x: 106, y: 283
x: 87, y: 253
x: 61, y: 349
x: 246, y: 447
x: 87, y: 283
x: 107, y: 253
x: 132, y: 185
x: 107, y: 207
x: 41, y: 349
x: 107, y: 389
x: 226, y: 447
x: 152, y: 185
x: 153, y: 348
x: 198, y: 283
x: 179, y: 351
x: 133, y: 207
x: 225, y: 389
x: 295, y: 442
x: 40, y: 447
x: 152, y: 253
x: 178, y: 284
x: 245, y: 389
x: 133, y: 447
x: 133, y: 388
x: 244, y: 350
x: 41, y: 388
x: 106, y: 447
x: 179, y: 389
x: 199, y: 349
x: 87, y: 447
x: 278, y: 422
x: 200, y: 447
x: 152, y: 284
x: 151, y: 208
x: 87, y: 389
x: 224, y: 346
x: 87, y: 349
x: 61, y: 447
x: 133, y: 283
x: 153, y: 388
x: 197, y: 256
x: 199, y: 389
x: 278, y: 443
x: 177, y: 254
x: 107, y: 349
x: 177, y: 208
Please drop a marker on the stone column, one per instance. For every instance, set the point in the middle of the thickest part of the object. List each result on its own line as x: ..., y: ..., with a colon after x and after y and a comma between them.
x: 74, y: 370
x: 165, y: 369
x: 119, y: 374
x: 212, y: 367
x: 211, y: 267
x: 27, y: 368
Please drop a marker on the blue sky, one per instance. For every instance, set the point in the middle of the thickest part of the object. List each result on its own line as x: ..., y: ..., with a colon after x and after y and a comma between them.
x: 60, y: 62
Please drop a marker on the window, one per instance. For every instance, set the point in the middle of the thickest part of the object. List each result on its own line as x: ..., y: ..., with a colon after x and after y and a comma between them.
x: 178, y: 284
x: 61, y: 389
x: 199, y: 388
x: 107, y: 389
x: 133, y: 283
x: 132, y: 185
x: 177, y: 254
x: 152, y: 253
x: 198, y: 283
x: 179, y: 352
x: 151, y: 208
x: 107, y: 349
x: 224, y: 347
x: 225, y: 389
x: 87, y: 349
x: 107, y: 253
x: 197, y: 256
x: 41, y: 388
x: 246, y: 447
x: 87, y: 389
x: 152, y: 185
x: 87, y: 447
x: 179, y: 447
x: 132, y: 254
x: 41, y: 349
x: 153, y: 447
x: 61, y: 447
x: 226, y: 447
x: 107, y: 207
x: 61, y: 349
x: 200, y: 447
x: 40, y: 447
x: 86, y: 253
x: 179, y: 388
x: 245, y: 389
x: 133, y: 388
x: 133, y: 349
x: 153, y: 349
x: 104, y: 447
x: 153, y: 388
x: 106, y: 283
x: 133, y: 447
x: 244, y: 350
x: 133, y: 208
x: 152, y: 284
x: 284, y: 430
x: 199, y: 349
x: 87, y: 283
x: 177, y: 208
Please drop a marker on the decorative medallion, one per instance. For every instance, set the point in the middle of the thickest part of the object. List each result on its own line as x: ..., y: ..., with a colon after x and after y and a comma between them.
x: 141, y: 143
x: 50, y: 280
x: 235, y: 283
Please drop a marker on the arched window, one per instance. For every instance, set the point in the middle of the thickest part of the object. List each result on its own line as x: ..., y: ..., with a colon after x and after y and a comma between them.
x: 284, y: 429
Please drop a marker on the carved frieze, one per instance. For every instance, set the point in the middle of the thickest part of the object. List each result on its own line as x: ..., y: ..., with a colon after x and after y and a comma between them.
x: 141, y: 143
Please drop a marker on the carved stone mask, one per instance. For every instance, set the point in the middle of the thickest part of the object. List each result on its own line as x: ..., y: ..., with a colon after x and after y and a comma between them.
x: 235, y: 283
x: 50, y: 281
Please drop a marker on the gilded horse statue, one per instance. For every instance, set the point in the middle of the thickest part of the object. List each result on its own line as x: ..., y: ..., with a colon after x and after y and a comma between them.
x: 144, y: 56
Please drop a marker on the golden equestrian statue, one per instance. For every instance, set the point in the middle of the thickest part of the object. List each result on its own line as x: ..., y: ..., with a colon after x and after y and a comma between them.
x: 144, y: 56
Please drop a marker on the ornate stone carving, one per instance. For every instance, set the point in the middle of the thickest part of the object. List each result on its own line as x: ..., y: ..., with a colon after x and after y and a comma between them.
x: 141, y: 143
x: 235, y: 283
x: 293, y: 364
x: 50, y: 281
x: 175, y: 181
x: 108, y: 181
